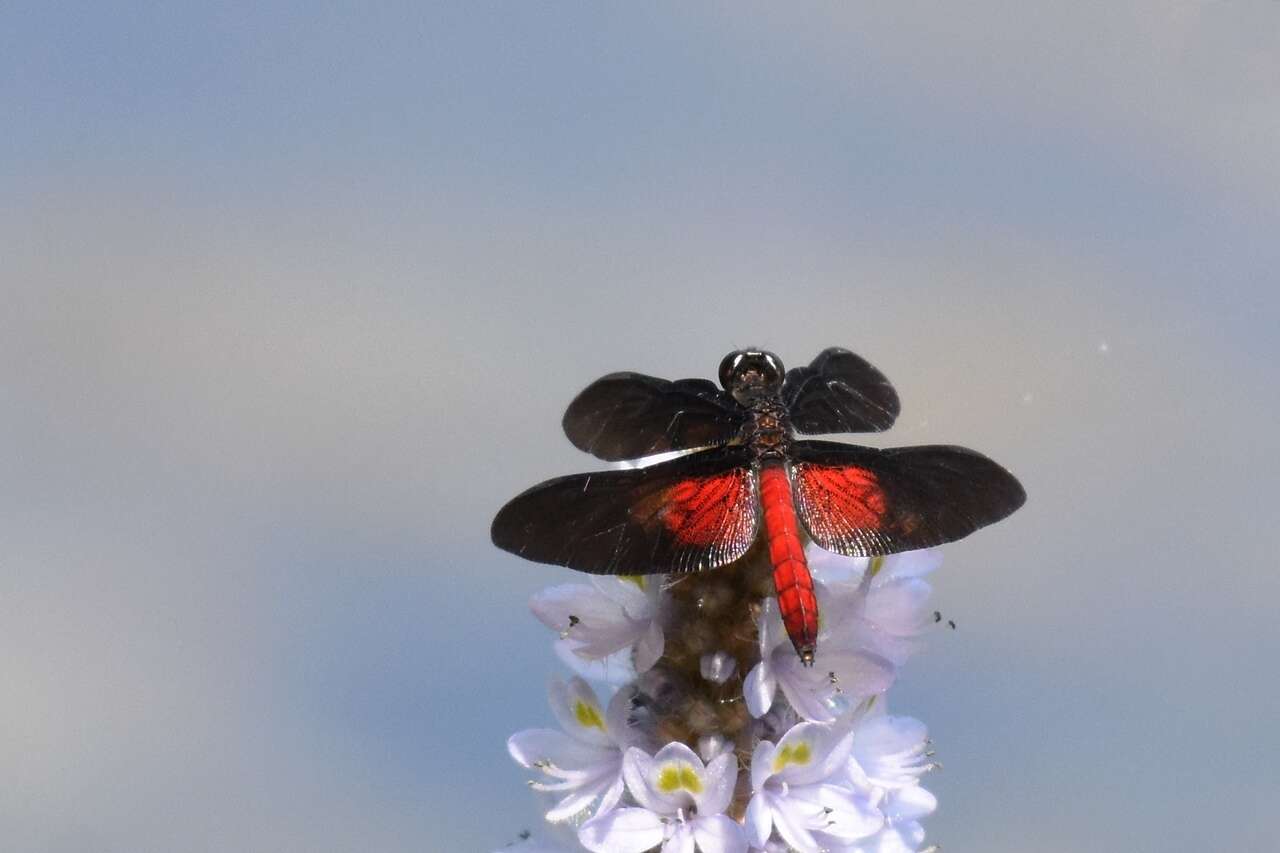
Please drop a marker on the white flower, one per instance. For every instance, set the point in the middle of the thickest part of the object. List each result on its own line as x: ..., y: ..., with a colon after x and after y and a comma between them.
x: 843, y: 673
x: 902, y: 832
x: 843, y: 777
x: 585, y: 760
x: 832, y: 568
x: 889, y: 753
x: 798, y: 791
x: 615, y: 670
x: 887, y: 761
x: 711, y: 747
x: 894, y: 837
x: 682, y: 803
x: 717, y: 667
x: 880, y: 604
x: 601, y: 624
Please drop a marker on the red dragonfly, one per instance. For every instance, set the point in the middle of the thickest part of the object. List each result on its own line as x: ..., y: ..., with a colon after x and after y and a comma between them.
x: 704, y: 509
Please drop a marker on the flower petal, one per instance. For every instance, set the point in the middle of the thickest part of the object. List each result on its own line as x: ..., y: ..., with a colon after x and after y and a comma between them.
x: 681, y: 840
x: 597, y: 625
x: 609, y: 799
x: 761, y: 764
x: 759, y: 689
x: 649, y: 647
x: 677, y: 751
x: 789, y: 818
x: 719, y: 781
x: 809, y: 690
x: 810, y: 753
x: 758, y: 823
x: 710, y: 747
x: 899, y: 607
x: 579, y: 801
x: 616, y: 717
x: 634, y: 594
x: 841, y: 745
x: 893, y: 735
x: 579, y: 712
x: 616, y: 668
x: 849, y: 815
x: 637, y: 767
x: 891, y: 750
x: 562, y: 608
x: 910, y: 804
x: 859, y: 674
x: 717, y: 667
x: 597, y: 640
x: 769, y: 627
x: 674, y: 779
x: 895, y: 838
x: 833, y: 568
x: 622, y: 831
x: 909, y: 564
x: 719, y: 834
x: 534, y: 748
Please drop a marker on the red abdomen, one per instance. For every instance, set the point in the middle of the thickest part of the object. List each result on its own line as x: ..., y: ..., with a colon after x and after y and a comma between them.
x: 791, y: 577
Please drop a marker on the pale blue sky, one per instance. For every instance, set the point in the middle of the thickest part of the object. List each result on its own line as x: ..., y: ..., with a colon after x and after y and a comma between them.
x: 296, y: 294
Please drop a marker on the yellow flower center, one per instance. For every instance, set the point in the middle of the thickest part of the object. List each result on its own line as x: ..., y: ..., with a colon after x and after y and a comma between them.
x: 678, y: 776
x: 588, y: 715
x: 877, y: 563
x: 638, y: 580
x: 801, y: 753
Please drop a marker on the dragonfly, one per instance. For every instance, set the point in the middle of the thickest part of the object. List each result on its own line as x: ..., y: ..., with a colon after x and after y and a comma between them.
x: 747, y: 476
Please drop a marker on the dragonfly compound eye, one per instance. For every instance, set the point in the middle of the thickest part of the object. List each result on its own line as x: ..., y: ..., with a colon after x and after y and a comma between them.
x: 754, y: 369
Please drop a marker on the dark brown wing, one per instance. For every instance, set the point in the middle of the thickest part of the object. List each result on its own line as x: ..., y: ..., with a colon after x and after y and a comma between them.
x: 696, y: 512
x: 861, y: 501
x: 629, y: 415
x: 839, y: 392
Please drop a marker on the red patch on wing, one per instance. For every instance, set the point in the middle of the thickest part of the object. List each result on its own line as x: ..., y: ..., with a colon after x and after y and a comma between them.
x: 706, y: 511
x: 839, y: 499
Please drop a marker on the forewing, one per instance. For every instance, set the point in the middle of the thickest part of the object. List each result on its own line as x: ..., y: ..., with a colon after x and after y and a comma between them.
x: 839, y: 392
x: 696, y: 512
x: 629, y: 415
x: 861, y: 501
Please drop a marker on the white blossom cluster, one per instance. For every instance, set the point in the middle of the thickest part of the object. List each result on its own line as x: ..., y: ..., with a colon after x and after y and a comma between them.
x: 819, y: 765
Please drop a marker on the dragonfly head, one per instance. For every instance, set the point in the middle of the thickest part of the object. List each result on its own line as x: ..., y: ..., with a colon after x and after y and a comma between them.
x: 751, y: 373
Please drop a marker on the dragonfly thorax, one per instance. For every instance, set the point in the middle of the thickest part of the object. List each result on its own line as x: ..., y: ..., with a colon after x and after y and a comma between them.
x: 768, y: 430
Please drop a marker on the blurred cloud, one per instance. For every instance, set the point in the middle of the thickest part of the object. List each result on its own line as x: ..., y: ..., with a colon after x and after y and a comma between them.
x: 1184, y: 84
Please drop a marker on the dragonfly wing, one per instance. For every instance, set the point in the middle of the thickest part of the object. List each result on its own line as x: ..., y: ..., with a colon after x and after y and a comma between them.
x: 696, y: 512
x: 862, y: 501
x: 839, y: 392
x: 629, y: 415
